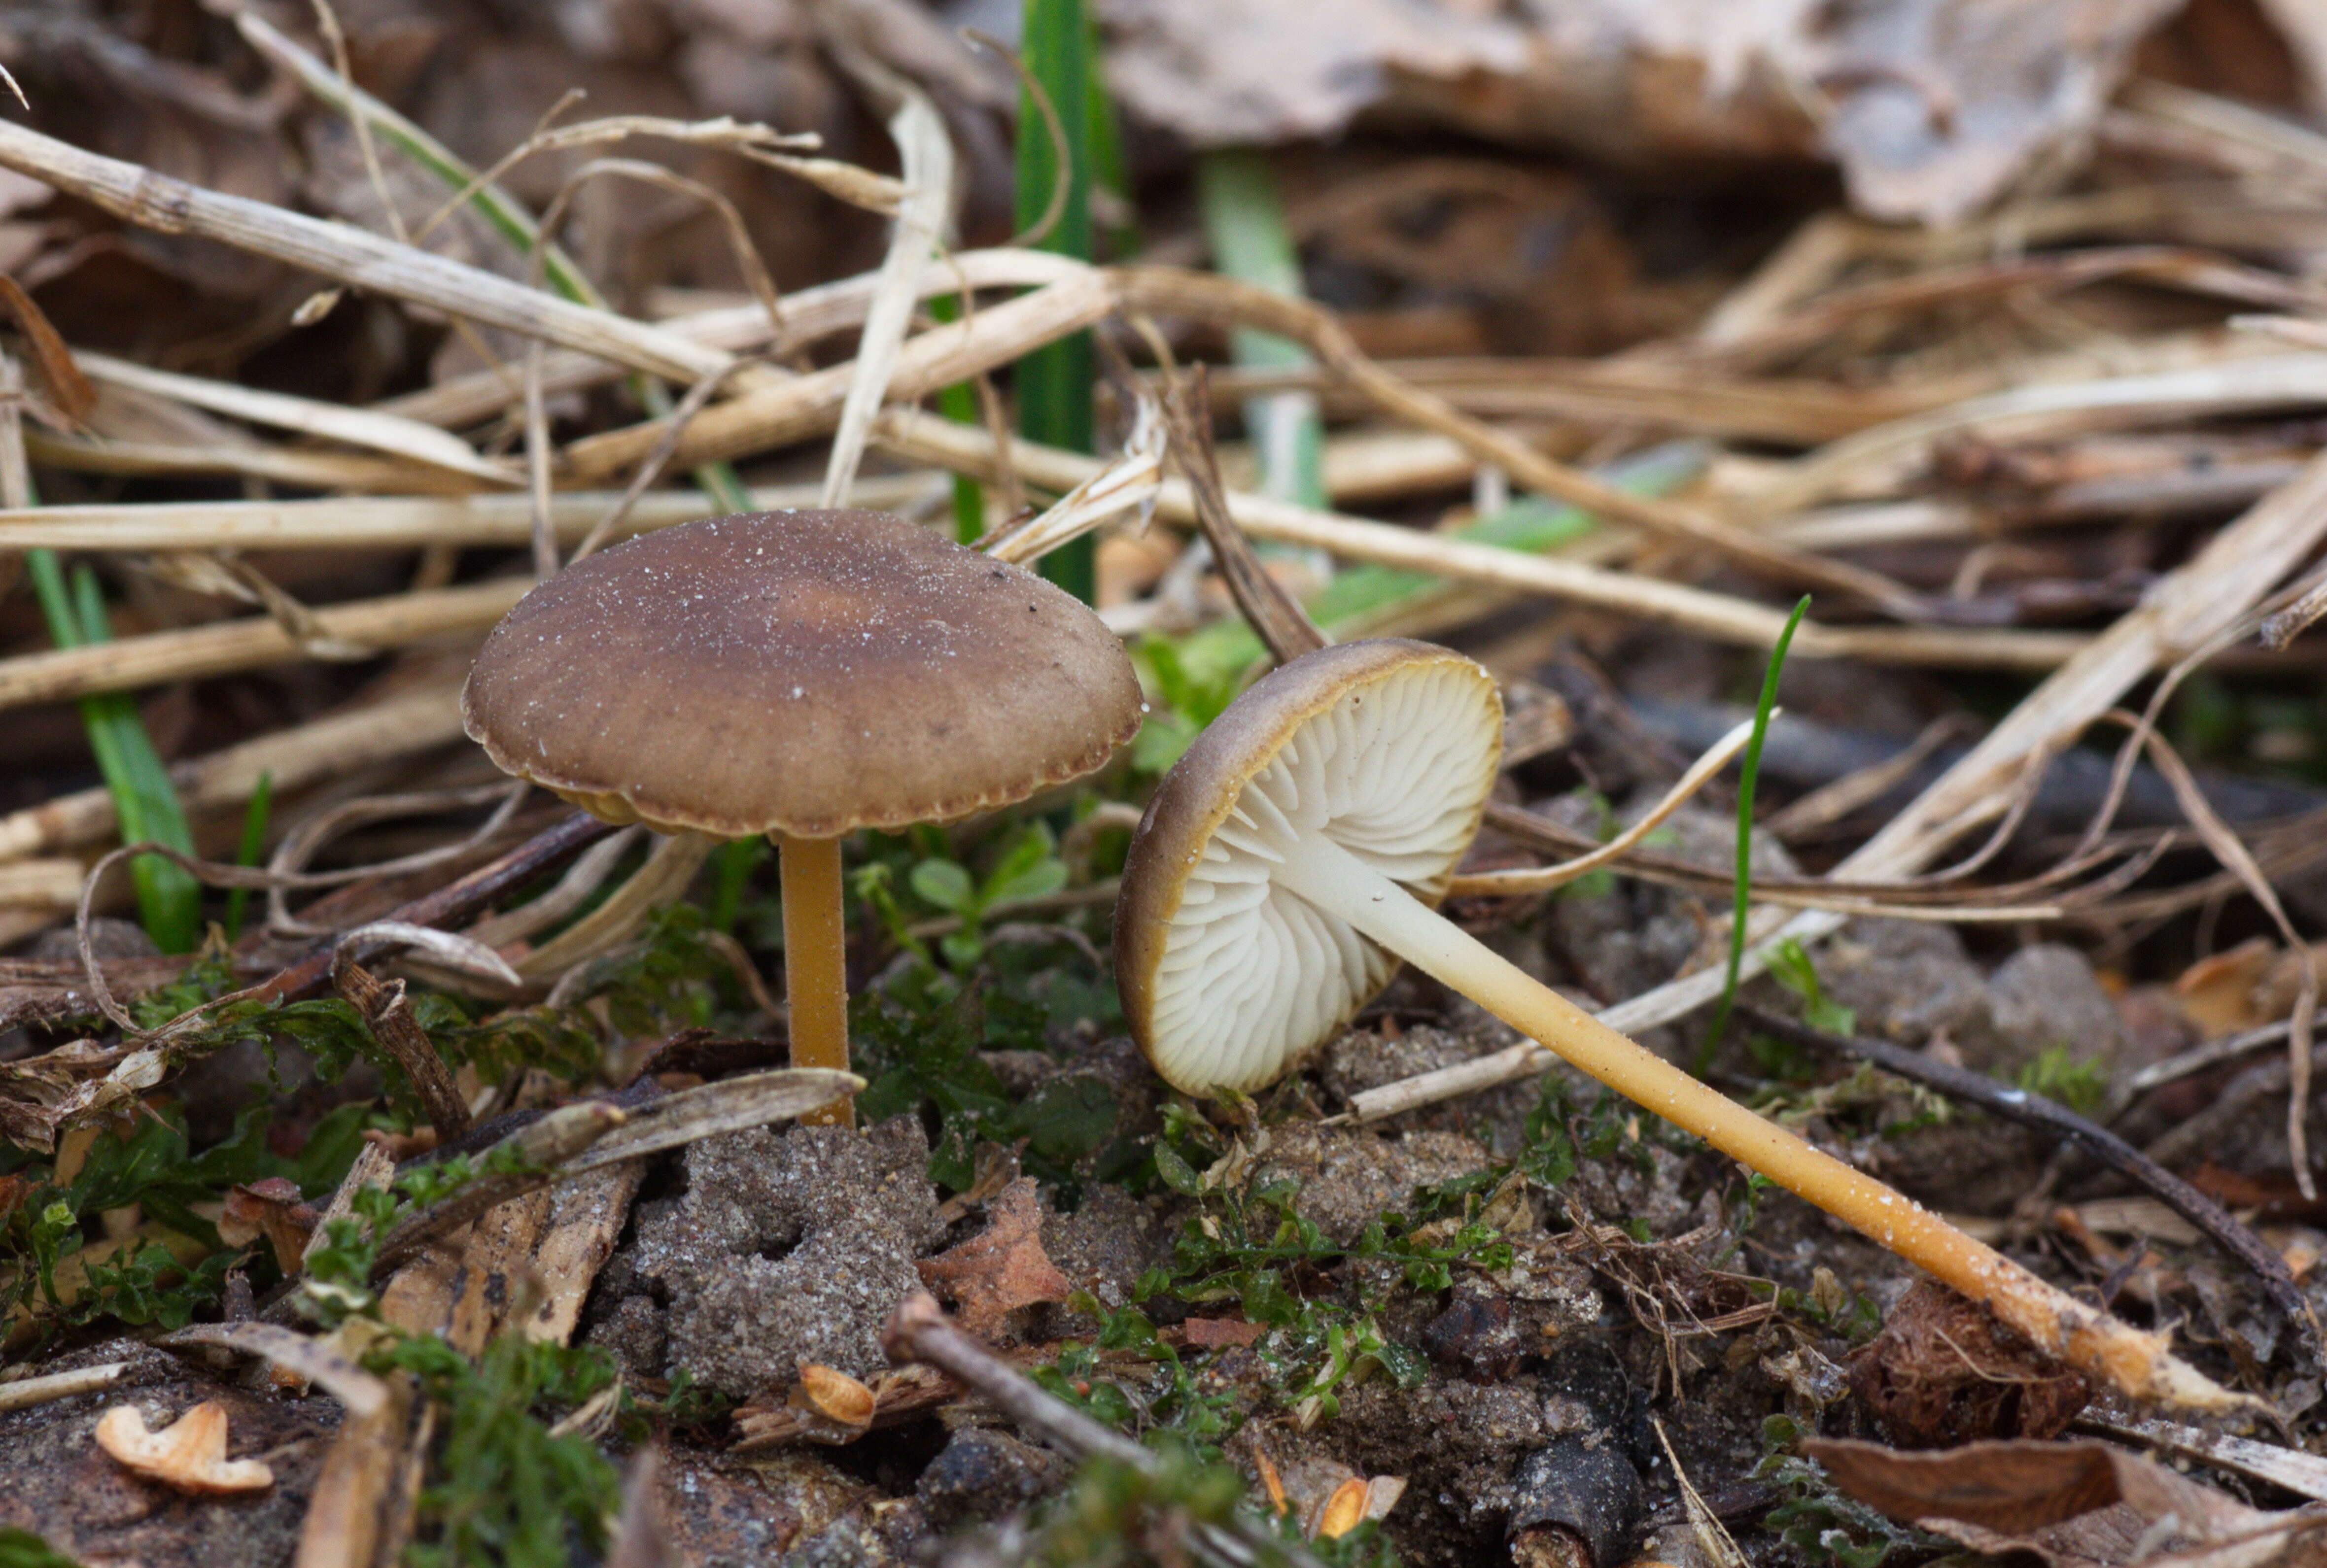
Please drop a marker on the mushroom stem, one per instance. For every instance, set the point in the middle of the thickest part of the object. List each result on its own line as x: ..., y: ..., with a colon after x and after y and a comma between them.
x: 816, y: 961
x: 1339, y: 883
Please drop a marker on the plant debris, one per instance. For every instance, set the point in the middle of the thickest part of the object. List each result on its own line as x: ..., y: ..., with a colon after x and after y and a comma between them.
x: 190, y: 1454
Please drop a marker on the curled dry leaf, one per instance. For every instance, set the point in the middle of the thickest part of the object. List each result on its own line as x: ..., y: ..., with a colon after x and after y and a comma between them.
x: 2080, y: 1505
x: 1931, y: 107
x: 190, y: 1454
x: 992, y: 1275
x: 834, y: 1395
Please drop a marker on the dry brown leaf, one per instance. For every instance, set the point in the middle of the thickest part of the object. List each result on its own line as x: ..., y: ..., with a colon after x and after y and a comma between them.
x: 1931, y: 108
x: 993, y: 1274
x: 2080, y: 1505
x: 190, y: 1454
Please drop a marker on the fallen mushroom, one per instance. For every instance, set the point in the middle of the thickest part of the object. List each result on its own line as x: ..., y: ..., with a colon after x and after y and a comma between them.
x: 802, y: 674
x: 190, y: 1454
x: 1292, y: 857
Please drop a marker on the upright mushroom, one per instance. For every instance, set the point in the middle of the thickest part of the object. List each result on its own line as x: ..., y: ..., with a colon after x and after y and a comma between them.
x: 802, y: 674
x: 1292, y: 857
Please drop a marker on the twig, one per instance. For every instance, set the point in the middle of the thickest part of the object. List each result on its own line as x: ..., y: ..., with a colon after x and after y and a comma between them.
x: 388, y: 1013
x: 2047, y: 1115
x: 1278, y: 619
x: 918, y: 1331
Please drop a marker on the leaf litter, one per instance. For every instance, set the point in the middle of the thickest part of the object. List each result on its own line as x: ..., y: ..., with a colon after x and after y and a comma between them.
x: 511, y: 1200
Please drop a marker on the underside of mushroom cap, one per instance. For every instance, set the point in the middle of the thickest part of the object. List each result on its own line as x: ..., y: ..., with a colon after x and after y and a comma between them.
x: 1388, y: 749
x: 807, y: 672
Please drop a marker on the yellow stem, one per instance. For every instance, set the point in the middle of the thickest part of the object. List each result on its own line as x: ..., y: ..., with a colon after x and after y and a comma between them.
x: 2137, y: 1363
x: 816, y: 963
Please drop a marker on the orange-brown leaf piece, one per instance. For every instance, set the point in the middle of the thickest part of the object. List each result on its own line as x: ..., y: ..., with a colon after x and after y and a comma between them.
x: 836, y: 1395
x: 992, y: 1275
x: 190, y: 1454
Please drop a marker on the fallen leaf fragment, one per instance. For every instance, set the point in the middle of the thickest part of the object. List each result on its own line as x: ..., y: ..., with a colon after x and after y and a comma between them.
x: 190, y: 1454
x: 1213, y: 1333
x: 1342, y: 1511
x: 993, y: 1274
x: 2075, y: 1505
x: 834, y: 1396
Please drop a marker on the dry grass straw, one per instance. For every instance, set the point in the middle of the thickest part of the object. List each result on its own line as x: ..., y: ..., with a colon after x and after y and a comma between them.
x: 925, y: 155
x: 350, y: 255
x: 389, y: 433
x: 398, y: 621
x: 389, y: 522
x: 395, y: 724
x: 1740, y: 623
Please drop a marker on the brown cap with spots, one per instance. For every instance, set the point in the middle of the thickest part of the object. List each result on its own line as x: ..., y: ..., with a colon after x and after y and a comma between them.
x: 809, y: 672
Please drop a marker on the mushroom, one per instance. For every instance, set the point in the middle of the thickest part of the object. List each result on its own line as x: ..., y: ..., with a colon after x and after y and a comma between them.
x: 802, y: 675
x: 1295, y: 855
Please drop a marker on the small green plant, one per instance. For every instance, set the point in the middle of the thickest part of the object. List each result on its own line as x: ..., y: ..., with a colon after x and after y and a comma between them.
x: 1054, y: 382
x: 2081, y: 1086
x: 250, y: 848
x: 1255, y: 1248
x: 153, y: 1170
x: 1182, y: 701
x: 23, y: 1549
x: 1742, y: 899
x: 1823, y: 1527
x: 1029, y: 868
x: 506, y: 1488
x: 916, y: 1043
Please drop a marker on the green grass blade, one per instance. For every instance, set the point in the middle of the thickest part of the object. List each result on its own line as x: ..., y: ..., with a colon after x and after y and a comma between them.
x: 1244, y: 219
x: 1054, y: 382
x: 958, y: 402
x: 169, y: 900
x: 252, y: 846
x: 1749, y: 769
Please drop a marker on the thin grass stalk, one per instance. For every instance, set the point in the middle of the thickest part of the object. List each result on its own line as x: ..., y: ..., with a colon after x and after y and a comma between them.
x: 958, y: 402
x: 1741, y: 904
x: 249, y: 849
x: 169, y: 901
x: 1054, y: 383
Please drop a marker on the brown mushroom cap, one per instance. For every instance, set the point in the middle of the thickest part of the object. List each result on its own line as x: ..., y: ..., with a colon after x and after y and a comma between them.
x: 810, y: 672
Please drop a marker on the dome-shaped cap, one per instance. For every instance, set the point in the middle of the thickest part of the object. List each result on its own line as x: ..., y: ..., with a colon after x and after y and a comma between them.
x: 1388, y: 749
x: 810, y: 672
